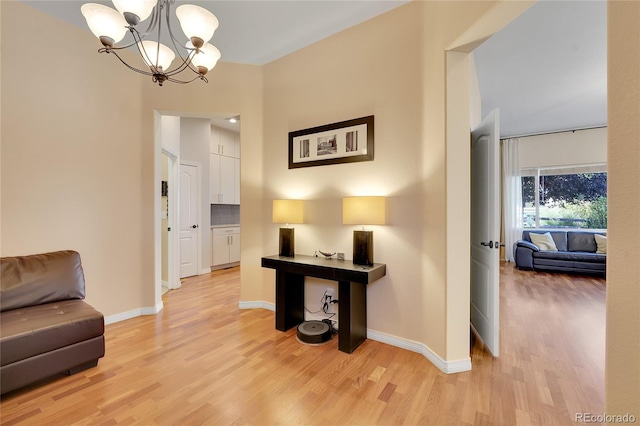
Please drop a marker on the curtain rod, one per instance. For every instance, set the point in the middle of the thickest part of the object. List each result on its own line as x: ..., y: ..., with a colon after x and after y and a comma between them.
x: 551, y: 133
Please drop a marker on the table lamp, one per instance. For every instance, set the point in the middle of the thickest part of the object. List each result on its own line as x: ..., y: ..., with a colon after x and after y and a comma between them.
x: 363, y: 211
x: 287, y: 211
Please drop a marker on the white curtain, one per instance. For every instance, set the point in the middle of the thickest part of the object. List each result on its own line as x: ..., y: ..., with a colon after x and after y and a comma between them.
x: 512, y: 195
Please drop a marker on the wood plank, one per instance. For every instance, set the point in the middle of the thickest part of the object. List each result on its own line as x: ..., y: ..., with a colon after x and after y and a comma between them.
x: 204, y: 361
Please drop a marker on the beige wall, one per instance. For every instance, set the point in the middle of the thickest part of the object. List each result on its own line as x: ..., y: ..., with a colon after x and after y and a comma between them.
x: 566, y: 148
x: 392, y: 67
x: 79, y: 158
x: 622, y: 372
x: 71, y: 158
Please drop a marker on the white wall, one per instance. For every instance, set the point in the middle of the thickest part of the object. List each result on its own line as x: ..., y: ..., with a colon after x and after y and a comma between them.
x: 562, y: 149
x: 170, y: 133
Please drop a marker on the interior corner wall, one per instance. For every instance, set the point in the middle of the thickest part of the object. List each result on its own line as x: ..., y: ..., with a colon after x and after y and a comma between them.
x: 622, y: 366
x: 344, y: 77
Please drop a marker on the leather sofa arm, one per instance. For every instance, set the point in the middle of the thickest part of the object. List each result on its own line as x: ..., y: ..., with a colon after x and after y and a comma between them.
x: 527, y: 244
x: 523, y: 253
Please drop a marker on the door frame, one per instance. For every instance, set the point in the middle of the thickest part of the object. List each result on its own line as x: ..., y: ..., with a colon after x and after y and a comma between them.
x: 457, y: 178
x: 198, y: 167
x: 173, y: 212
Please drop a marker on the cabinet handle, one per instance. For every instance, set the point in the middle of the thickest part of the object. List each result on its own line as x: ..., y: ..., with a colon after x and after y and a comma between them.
x: 222, y: 149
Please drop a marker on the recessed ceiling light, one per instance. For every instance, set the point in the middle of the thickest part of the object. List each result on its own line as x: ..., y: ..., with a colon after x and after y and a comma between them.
x: 234, y: 120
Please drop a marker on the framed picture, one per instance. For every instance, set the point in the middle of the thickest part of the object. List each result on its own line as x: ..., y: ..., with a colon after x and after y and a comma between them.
x: 345, y: 142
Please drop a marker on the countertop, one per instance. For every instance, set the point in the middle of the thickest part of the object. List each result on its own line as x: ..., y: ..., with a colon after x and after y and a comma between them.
x: 225, y: 226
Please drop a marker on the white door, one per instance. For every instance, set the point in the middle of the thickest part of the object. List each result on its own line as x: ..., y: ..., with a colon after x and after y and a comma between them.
x: 485, y: 230
x: 188, y: 220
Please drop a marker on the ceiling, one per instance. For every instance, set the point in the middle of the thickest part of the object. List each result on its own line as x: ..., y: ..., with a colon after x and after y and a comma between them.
x: 546, y: 71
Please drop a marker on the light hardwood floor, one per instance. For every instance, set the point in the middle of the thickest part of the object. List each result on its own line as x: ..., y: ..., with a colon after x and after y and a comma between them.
x: 204, y: 361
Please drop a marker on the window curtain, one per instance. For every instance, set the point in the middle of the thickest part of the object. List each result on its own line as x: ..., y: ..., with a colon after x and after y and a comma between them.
x: 511, y: 195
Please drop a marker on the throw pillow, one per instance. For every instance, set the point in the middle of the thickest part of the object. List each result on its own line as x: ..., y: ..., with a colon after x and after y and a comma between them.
x: 601, y: 242
x: 544, y: 241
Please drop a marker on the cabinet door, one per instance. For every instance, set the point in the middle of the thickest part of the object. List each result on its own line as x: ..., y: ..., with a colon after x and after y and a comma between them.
x: 227, y: 180
x: 227, y: 143
x: 237, y: 139
x: 214, y: 143
x: 234, y: 248
x: 214, y: 175
x: 220, y: 249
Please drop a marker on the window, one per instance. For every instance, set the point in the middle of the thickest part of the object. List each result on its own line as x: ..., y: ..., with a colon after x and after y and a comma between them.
x: 571, y: 197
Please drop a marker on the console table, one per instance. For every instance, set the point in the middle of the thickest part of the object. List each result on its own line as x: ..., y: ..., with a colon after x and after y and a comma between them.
x: 352, y: 292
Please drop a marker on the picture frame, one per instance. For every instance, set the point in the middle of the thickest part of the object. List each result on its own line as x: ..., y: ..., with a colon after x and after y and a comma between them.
x: 344, y: 142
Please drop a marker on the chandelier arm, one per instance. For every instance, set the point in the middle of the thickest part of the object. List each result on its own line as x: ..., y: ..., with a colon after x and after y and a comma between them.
x: 186, y: 62
x: 199, y: 76
x: 147, y: 73
x: 143, y: 53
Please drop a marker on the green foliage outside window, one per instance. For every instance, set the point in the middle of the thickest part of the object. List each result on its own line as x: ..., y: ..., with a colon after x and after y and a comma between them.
x: 567, y: 201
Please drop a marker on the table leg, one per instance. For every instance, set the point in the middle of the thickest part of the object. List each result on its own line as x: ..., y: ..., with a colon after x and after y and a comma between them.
x: 352, y: 314
x: 289, y: 300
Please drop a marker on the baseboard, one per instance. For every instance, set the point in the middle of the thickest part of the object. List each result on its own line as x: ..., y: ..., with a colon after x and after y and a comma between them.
x: 133, y: 313
x: 205, y: 271
x: 224, y: 266
x: 447, y: 367
x: 258, y: 304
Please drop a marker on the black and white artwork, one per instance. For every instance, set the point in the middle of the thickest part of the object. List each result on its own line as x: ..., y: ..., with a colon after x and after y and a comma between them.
x: 327, y: 145
x: 344, y: 142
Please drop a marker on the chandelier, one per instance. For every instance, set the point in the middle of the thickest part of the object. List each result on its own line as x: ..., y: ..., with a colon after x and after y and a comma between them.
x: 198, y: 24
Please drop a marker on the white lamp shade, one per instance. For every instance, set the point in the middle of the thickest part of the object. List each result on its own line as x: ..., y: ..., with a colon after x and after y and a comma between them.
x: 288, y: 211
x: 104, y: 21
x: 140, y: 8
x: 197, y: 21
x: 363, y: 210
x: 152, y: 56
x: 207, y: 57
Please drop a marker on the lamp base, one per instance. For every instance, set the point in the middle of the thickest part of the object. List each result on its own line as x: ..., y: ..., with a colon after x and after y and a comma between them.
x: 363, y: 248
x: 287, y: 242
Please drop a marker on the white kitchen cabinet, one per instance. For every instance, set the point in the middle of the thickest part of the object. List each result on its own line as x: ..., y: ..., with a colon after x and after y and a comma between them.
x: 224, y: 167
x: 225, y: 179
x: 224, y: 142
x: 225, y: 246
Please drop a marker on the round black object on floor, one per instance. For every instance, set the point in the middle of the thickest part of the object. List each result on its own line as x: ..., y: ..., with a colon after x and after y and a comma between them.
x: 314, y: 332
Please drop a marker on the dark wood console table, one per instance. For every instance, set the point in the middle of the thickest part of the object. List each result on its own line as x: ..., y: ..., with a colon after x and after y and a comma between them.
x: 352, y: 292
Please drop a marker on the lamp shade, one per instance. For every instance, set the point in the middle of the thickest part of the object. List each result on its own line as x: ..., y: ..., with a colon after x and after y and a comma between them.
x: 197, y: 22
x: 207, y: 57
x: 141, y: 8
x: 152, y: 55
x: 104, y: 21
x: 288, y: 211
x: 363, y: 210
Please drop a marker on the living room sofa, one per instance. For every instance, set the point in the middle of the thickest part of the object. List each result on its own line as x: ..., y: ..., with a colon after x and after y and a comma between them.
x: 46, y: 328
x: 577, y: 252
